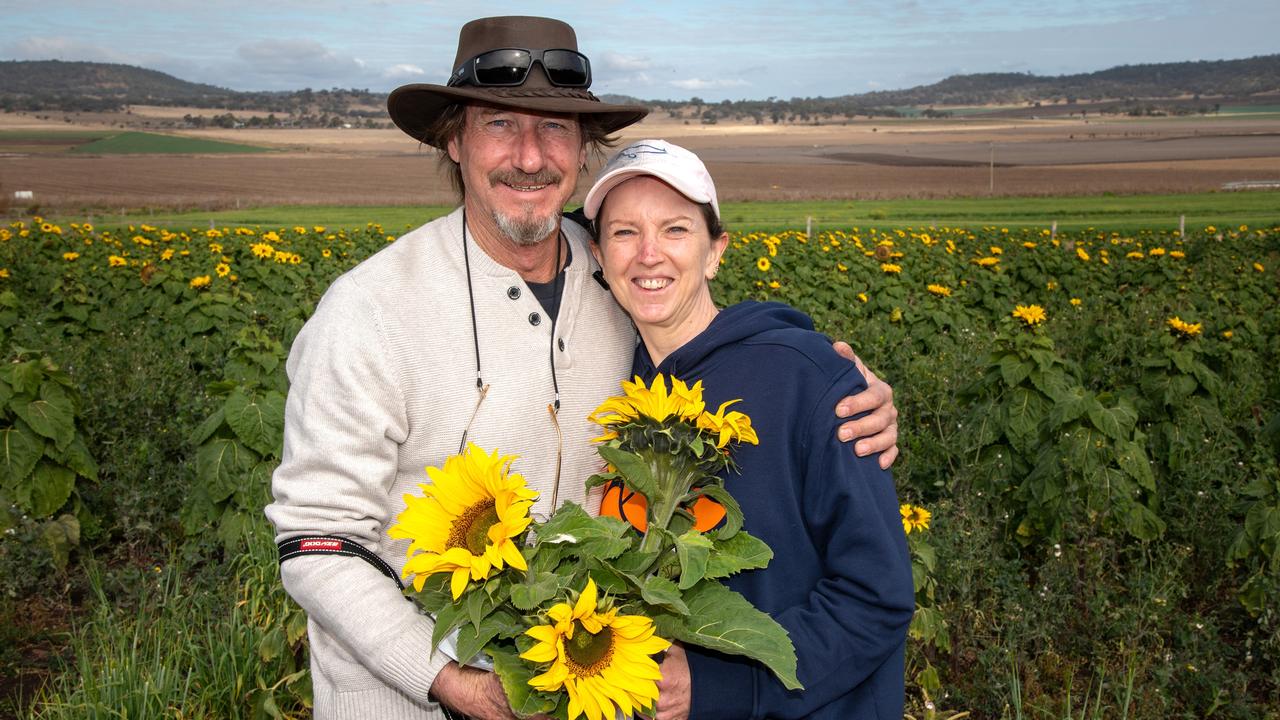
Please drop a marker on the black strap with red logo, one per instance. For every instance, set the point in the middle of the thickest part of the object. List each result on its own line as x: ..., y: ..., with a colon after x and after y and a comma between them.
x: 334, y: 545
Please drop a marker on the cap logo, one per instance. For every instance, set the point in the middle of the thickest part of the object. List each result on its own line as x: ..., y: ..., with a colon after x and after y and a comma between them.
x: 638, y: 149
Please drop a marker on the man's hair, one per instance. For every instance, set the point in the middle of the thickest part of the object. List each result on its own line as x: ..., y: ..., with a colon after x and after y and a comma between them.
x: 450, y: 124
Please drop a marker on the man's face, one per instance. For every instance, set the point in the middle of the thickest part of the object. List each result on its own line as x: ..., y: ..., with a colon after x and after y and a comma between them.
x: 519, y: 168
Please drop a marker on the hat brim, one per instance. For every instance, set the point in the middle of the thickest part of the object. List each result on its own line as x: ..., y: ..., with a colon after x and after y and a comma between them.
x: 414, y: 108
x: 612, y: 179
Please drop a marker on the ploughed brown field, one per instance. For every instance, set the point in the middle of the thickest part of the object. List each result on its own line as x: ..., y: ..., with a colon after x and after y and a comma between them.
x: 862, y: 159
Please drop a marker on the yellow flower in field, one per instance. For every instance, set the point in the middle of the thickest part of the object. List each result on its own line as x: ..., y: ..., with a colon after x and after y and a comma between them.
x: 1135, y: 255
x: 211, y: 233
x: 940, y: 290
x: 1051, y: 285
x: 603, y: 660
x: 987, y: 261
x: 391, y: 238
x: 890, y: 268
x: 222, y: 269
x: 1227, y: 334
x: 86, y: 227
x: 1030, y: 314
x: 862, y: 297
x: 1177, y: 254
x: 295, y: 259
x: 1076, y: 302
x: 1156, y: 251
x: 773, y: 251
x: 326, y: 252
x: 1258, y: 267
x: 70, y: 256
x: 141, y: 240
x: 774, y: 284
x: 116, y: 261
x: 914, y: 518
x: 1080, y: 253
x: 842, y: 267
x: 318, y: 229
x: 299, y: 230
x: 1209, y: 230
x: 200, y: 282
x: 262, y: 250
x: 466, y: 520
x: 654, y: 402
x: 270, y: 237
x: 734, y: 426
x: 167, y: 254
x: 1029, y: 245
x: 215, y: 248
x: 46, y: 227
x: 996, y: 250
x: 763, y: 264
x: 1182, y: 328
x: 281, y: 256
x: 4, y: 273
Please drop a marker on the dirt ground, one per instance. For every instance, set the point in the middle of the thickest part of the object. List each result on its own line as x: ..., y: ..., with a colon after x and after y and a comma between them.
x: 862, y: 159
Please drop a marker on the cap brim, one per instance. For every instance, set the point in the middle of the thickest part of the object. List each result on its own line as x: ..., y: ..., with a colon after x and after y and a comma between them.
x: 612, y: 179
x: 414, y: 108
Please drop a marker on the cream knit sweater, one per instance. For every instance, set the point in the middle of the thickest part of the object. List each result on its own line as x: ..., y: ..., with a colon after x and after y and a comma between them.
x: 383, y: 383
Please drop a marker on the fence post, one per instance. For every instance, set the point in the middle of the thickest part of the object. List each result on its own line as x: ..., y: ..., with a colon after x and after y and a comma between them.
x: 1053, y: 231
x: 1182, y: 228
x: 808, y: 227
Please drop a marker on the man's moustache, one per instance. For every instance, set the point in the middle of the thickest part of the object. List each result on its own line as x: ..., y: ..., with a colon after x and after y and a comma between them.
x: 544, y: 177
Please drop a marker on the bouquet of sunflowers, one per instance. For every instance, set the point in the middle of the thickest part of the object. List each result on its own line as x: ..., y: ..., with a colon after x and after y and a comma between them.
x: 571, y: 611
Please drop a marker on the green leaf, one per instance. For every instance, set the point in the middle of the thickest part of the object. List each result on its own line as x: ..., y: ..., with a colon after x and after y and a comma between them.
x: 515, y: 675
x: 1143, y: 524
x: 51, y: 416
x: 741, y: 552
x: 20, y: 449
x: 26, y: 377
x: 46, y: 489
x: 658, y: 590
x: 732, y: 510
x: 1132, y: 458
x: 693, y: 548
x: 257, y: 420
x: 633, y: 468
x: 1262, y: 522
x: 1014, y: 369
x: 1069, y: 406
x: 535, y: 590
x: 448, y: 618
x: 473, y: 638
x: 583, y: 535
x: 1117, y: 422
x: 61, y: 536
x: 222, y: 464
x: 721, y: 619
x: 77, y: 457
x: 208, y: 427
x: 1025, y: 411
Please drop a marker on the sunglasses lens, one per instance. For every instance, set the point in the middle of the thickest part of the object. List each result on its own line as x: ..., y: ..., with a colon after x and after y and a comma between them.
x: 567, y: 68
x: 502, y: 67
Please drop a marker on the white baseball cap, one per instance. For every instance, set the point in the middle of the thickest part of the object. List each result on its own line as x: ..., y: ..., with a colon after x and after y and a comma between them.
x: 670, y: 163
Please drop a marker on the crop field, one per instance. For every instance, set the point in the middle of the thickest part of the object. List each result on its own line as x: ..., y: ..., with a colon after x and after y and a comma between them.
x: 141, y: 143
x: 1091, y: 418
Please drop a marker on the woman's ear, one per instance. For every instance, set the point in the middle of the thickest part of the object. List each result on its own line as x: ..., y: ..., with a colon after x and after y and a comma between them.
x: 718, y: 246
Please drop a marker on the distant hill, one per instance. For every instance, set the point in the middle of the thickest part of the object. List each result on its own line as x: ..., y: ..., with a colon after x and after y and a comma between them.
x: 53, y: 85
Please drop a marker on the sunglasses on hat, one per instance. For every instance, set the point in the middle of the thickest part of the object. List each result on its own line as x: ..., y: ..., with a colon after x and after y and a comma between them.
x: 506, y: 67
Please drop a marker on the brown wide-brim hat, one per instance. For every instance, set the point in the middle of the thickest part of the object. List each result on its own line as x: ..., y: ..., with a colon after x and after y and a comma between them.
x: 414, y: 108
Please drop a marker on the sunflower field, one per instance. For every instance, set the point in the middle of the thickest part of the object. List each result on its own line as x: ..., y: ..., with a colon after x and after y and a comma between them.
x: 1090, y: 467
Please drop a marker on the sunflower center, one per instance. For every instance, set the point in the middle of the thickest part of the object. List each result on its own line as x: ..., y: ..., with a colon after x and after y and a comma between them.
x: 588, y: 654
x: 471, y: 529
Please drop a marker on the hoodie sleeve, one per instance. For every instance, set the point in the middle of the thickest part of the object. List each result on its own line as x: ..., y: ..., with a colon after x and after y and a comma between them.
x: 855, y: 618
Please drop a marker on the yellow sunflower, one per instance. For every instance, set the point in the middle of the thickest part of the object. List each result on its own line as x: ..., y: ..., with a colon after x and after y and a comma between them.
x: 914, y: 518
x: 1030, y: 314
x: 466, y: 520
x: 683, y: 402
x: 730, y: 426
x: 600, y: 658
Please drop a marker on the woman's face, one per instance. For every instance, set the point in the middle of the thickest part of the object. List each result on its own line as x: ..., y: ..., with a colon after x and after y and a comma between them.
x: 658, y: 255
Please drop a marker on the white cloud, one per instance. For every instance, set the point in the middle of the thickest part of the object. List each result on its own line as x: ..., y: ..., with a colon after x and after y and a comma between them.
x: 298, y: 59
x: 624, y: 63
x: 699, y: 84
x: 403, y: 71
x: 55, y: 47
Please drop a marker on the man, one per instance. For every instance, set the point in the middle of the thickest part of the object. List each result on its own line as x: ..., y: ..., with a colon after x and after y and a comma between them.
x: 484, y: 326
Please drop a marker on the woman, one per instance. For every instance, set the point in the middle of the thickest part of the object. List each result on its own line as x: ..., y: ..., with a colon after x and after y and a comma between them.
x: 840, y: 579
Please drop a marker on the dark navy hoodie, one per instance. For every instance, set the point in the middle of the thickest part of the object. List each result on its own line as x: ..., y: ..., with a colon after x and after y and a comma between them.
x: 840, y: 578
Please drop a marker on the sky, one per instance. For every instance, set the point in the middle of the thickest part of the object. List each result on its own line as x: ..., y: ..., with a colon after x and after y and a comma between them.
x: 652, y: 49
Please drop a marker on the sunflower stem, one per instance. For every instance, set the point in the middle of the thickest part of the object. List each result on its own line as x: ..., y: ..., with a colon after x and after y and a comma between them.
x: 667, y: 477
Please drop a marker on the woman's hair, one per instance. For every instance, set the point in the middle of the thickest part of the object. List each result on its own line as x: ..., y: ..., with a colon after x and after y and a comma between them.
x: 450, y: 124
x: 715, y: 227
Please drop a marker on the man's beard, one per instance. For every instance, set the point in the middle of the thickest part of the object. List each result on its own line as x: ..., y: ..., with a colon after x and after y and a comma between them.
x: 526, y: 230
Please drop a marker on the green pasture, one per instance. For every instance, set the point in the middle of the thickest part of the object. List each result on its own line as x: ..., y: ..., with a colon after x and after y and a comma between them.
x: 1120, y: 213
x: 138, y: 143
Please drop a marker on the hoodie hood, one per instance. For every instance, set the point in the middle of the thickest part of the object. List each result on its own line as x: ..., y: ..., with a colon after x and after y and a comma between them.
x: 732, y: 325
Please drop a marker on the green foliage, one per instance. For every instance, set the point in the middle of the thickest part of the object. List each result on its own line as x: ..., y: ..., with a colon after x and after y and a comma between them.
x: 43, y: 456
x: 135, y: 143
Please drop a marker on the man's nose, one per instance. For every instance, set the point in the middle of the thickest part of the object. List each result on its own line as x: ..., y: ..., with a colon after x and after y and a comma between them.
x: 529, y: 153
